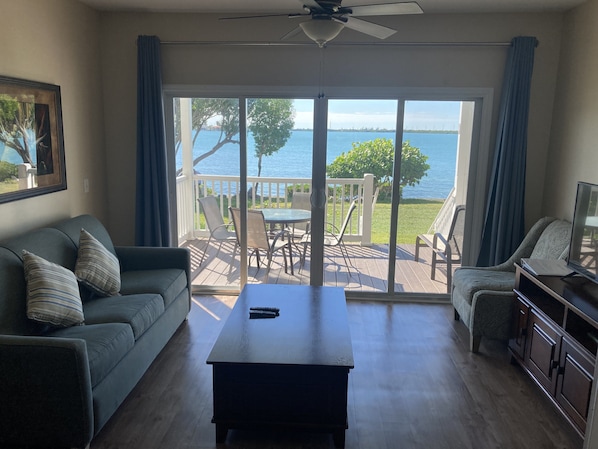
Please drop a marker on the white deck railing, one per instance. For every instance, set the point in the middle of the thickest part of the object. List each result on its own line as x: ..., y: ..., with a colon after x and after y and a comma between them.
x: 274, y: 192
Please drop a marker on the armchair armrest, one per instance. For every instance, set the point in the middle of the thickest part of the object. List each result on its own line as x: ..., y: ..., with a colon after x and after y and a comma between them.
x: 45, y: 392
x: 492, y: 313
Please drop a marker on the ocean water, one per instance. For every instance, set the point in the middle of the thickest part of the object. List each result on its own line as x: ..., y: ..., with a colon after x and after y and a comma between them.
x: 294, y: 159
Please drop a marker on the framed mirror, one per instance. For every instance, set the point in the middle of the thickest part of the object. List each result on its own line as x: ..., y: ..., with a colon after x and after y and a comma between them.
x: 31, y: 140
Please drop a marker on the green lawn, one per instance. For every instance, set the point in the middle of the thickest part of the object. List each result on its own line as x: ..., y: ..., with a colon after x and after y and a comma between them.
x: 415, y: 217
x: 9, y: 186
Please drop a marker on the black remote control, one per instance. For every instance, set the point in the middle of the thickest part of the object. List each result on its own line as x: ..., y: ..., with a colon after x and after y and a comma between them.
x: 269, y: 309
x: 262, y: 314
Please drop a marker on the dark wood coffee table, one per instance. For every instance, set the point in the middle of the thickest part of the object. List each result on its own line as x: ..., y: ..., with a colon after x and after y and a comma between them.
x: 287, y: 372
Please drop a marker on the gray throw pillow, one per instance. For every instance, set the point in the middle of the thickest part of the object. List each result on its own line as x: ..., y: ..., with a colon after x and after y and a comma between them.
x: 96, y: 267
x: 52, y: 292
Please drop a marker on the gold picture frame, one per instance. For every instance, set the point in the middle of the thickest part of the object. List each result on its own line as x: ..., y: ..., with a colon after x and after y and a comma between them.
x: 31, y: 139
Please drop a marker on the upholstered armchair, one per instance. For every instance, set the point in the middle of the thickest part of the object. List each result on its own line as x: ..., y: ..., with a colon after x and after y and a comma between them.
x: 483, y: 297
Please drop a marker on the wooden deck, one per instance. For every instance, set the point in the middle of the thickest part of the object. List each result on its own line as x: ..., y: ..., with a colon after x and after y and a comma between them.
x: 369, y: 273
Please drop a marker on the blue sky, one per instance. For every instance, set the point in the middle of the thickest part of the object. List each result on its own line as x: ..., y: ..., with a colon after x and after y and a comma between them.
x: 359, y: 114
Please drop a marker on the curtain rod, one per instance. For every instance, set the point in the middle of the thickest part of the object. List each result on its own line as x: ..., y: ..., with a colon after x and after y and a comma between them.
x: 339, y: 44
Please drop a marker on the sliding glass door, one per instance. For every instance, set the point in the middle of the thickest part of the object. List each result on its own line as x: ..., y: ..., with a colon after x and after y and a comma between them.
x: 354, y: 201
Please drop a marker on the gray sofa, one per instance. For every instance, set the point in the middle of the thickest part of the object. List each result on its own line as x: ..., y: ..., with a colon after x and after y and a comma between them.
x: 483, y: 297
x: 59, y: 385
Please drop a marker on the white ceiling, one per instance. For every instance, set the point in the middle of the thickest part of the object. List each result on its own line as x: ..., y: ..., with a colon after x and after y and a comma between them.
x: 288, y: 6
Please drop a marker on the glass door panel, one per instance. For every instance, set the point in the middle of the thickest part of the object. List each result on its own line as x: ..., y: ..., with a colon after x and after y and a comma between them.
x: 207, y: 161
x: 434, y: 167
x: 361, y: 144
x: 279, y: 136
x: 262, y: 164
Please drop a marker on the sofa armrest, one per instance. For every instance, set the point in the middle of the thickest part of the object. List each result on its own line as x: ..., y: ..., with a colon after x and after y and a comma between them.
x: 45, y: 392
x: 152, y: 258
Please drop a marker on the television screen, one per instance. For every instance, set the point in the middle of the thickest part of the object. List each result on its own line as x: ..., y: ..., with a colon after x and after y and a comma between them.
x: 583, y: 248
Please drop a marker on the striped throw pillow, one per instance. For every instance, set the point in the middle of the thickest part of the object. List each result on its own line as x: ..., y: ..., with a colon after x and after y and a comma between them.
x: 52, y: 292
x: 96, y: 267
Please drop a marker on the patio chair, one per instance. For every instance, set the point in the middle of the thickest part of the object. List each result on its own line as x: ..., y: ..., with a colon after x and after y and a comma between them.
x: 300, y: 200
x: 333, y: 236
x: 219, y: 230
x: 258, y: 238
x: 445, y: 249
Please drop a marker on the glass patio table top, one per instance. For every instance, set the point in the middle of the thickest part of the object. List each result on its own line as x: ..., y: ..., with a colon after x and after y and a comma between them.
x: 286, y: 216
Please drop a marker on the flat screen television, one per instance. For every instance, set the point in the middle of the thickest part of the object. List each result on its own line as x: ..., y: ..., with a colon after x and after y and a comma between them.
x: 583, y: 247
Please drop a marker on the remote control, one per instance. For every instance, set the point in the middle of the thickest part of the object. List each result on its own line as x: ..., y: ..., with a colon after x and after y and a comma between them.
x: 262, y: 314
x: 266, y: 309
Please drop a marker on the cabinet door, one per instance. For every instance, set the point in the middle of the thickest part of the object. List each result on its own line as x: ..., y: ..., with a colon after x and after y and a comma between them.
x: 542, y: 351
x: 520, y: 323
x: 575, y: 382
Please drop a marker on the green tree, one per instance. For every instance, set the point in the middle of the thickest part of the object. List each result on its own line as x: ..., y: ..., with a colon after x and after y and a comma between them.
x: 225, y: 111
x: 17, y: 127
x: 8, y: 171
x: 270, y: 121
x: 377, y: 157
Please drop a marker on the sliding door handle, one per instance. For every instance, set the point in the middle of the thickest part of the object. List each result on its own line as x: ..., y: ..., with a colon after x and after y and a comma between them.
x: 318, y: 198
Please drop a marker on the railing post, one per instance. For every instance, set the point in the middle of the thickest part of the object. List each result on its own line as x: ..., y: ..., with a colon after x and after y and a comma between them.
x: 368, y: 196
x: 187, y: 169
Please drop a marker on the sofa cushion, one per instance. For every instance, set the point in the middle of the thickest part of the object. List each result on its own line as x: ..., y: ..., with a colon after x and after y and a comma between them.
x: 48, y: 243
x: 168, y: 283
x: 71, y: 228
x: 52, y: 292
x: 106, y: 344
x: 468, y: 281
x: 96, y: 267
x: 139, y: 311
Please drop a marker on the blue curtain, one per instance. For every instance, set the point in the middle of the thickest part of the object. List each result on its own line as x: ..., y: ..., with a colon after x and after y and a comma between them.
x: 504, y: 225
x: 152, y: 218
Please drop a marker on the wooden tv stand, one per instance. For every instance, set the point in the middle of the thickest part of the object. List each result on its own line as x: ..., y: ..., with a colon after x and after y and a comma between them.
x: 555, y: 339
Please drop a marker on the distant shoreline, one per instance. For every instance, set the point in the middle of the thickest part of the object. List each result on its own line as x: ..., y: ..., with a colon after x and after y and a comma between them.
x: 383, y: 130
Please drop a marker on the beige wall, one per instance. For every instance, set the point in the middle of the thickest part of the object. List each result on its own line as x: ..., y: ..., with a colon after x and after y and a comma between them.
x: 82, y: 50
x: 57, y: 42
x: 573, y: 154
x: 299, y: 66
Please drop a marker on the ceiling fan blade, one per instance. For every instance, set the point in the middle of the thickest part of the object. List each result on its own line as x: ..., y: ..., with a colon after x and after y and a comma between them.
x: 372, y: 29
x: 292, y: 33
x: 260, y: 16
x: 387, y: 9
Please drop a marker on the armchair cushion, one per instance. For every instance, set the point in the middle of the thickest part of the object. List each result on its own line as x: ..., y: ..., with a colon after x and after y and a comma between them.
x: 471, y: 280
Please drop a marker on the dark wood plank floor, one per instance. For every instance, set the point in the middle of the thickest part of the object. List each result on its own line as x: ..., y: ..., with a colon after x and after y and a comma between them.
x: 414, y: 386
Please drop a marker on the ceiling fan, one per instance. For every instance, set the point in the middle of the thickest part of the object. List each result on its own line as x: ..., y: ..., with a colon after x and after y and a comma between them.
x: 329, y: 17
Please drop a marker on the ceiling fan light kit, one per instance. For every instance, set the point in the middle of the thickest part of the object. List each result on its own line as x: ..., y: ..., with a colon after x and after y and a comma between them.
x: 321, y: 30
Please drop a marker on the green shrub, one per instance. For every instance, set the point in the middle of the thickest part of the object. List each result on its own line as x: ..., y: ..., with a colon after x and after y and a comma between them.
x: 8, y: 171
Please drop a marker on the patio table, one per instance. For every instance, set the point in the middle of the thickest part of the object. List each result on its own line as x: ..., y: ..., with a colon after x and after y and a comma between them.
x: 286, y: 216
